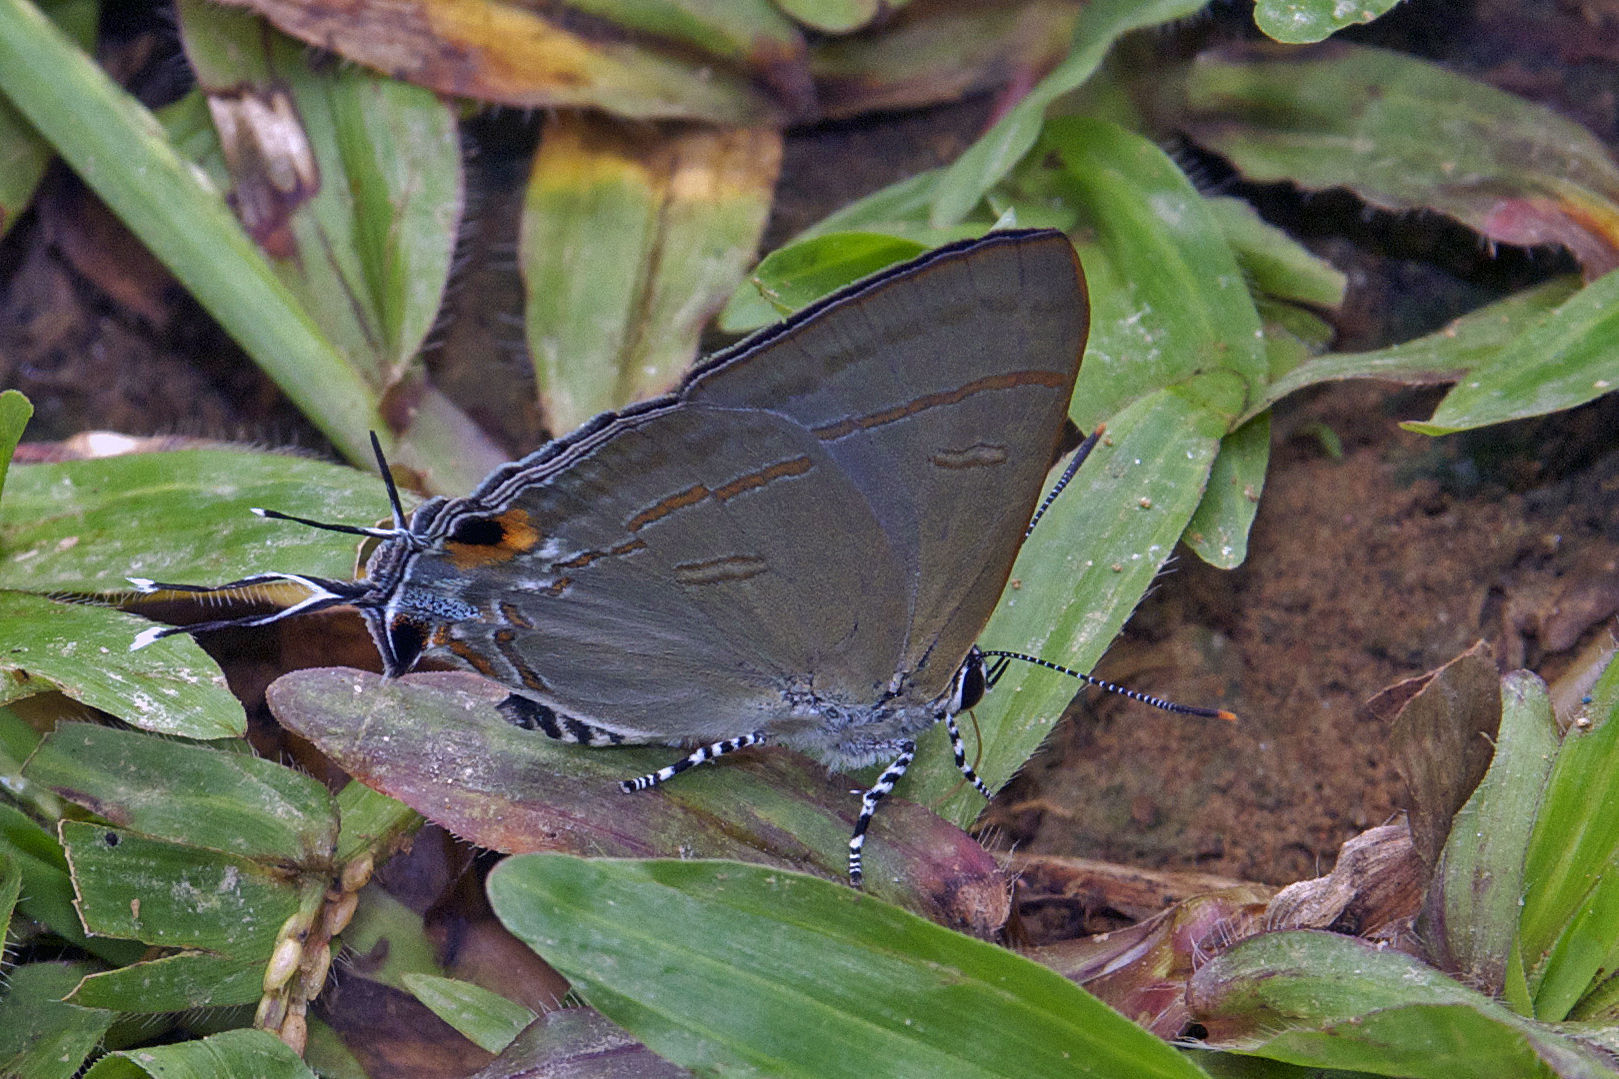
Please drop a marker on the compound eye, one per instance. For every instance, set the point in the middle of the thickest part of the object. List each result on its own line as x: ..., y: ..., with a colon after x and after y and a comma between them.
x: 970, y: 682
x: 478, y: 532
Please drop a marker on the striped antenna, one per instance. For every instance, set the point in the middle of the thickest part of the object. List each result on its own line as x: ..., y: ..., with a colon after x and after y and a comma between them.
x: 1080, y: 454
x: 998, y: 668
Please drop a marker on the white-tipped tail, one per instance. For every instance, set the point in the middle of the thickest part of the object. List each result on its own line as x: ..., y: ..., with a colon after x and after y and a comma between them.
x: 143, y: 584
x: 147, y: 636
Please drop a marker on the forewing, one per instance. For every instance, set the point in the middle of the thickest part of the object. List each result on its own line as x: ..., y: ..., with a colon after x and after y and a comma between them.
x: 687, y: 567
x: 940, y: 390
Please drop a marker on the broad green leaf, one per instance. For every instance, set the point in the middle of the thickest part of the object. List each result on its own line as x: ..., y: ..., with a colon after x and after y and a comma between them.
x: 174, y: 895
x: 23, y: 154
x: 792, y: 277
x: 117, y: 148
x: 1298, y: 22
x: 1218, y: 531
x: 228, y: 802
x: 369, y: 821
x: 959, y: 188
x: 365, y: 238
x: 47, y: 889
x: 233, y: 1054
x: 485, y: 1018
x: 1169, y: 305
x: 1408, y: 135
x: 632, y: 237
x: 1075, y: 582
x: 84, y: 652
x: 1274, y: 262
x: 1329, y: 1001
x: 437, y: 744
x: 1470, y: 914
x: 15, y: 409
x: 1573, y: 864
x: 175, y: 983
x: 1566, y: 359
x: 41, y: 1037
x: 351, y: 184
x: 84, y: 526
x: 392, y: 935
x: 743, y: 969
x: 1471, y: 341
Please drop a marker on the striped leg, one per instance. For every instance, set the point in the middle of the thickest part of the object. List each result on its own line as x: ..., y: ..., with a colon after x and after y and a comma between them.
x: 868, y: 806
x: 961, y: 757
x: 700, y: 756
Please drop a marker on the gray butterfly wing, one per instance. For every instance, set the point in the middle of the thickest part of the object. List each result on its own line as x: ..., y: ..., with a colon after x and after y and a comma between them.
x: 822, y: 508
x: 690, y: 569
x: 940, y: 392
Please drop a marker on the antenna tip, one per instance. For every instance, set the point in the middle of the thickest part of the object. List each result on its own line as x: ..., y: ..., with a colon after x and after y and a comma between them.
x: 1229, y: 717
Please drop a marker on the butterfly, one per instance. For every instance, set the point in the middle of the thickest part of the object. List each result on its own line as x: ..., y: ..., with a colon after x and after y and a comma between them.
x: 798, y: 545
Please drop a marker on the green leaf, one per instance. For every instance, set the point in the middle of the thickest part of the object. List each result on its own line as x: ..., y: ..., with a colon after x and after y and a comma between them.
x: 1566, y: 359
x: 233, y: 1054
x: 835, y: 16
x: 485, y: 1018
x: 174, y: 983
x: 1169, y: 305
x: 369, y: 821
x: 351, y: 183
x: 366, y: 239
x: 1408, y: 135
x: 1470, y: 914
x: 1329, y: 1001
x: 1299, y: 22
x: 84, y: 652
x: 174, y: 895
x: 792, y: 277
x: 15, y: 409
x: 1218, y: 531
x: 1572, y: 900
x: 228, y: 802
x: 725, y: 967
x: 1471, y: 341
x: 47, y: 889
x: 632, y: 237
x: 10, y: 889
x: 116, y: 147
x: 41, y: 1037
x: 25, y: 154
x: 1274, y: 262
x: 959, y: 188
x: 84, y: 526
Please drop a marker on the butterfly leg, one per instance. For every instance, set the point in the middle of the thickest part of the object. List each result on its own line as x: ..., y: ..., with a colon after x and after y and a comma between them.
x: 696, y: 757
x: 960, y: 751
x: 868, y: 806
